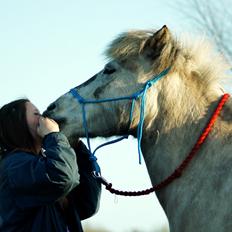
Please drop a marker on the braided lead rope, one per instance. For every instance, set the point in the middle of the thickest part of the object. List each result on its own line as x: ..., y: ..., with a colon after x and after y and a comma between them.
x: 179, y: 170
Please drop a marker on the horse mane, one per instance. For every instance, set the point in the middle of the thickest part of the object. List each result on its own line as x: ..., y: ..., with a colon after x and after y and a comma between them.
x: 196, y: 57
x: 203, y: 60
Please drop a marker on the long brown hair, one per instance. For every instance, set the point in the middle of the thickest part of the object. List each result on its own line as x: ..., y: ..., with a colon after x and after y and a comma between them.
x: 14, y: 131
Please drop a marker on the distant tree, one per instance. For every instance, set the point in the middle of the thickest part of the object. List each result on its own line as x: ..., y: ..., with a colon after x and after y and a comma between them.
x: 212, y: 17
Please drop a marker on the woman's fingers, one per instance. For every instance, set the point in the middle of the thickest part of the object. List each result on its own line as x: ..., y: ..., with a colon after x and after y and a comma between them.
x: 46, y: 126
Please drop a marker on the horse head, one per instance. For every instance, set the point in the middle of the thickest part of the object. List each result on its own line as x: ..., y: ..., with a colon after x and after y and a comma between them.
x: 135, y: 57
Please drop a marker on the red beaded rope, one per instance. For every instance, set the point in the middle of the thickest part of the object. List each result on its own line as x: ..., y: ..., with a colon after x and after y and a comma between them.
x: 179, y: 170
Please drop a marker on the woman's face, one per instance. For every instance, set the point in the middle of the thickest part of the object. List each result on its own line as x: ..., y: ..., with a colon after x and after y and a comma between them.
x: 32, y: 116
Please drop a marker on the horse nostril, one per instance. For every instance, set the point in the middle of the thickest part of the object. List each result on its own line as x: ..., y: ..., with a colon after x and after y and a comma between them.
x: 51, y: 107
x: 47, y: 112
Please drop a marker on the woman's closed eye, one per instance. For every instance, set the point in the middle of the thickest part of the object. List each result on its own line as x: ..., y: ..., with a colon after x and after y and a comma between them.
x: 37, y: 114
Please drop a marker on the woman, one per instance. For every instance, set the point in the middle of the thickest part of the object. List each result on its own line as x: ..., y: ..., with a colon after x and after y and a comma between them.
x: 45, y: 184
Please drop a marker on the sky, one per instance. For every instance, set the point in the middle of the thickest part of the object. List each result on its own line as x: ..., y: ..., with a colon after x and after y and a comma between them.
x: 49, y: 46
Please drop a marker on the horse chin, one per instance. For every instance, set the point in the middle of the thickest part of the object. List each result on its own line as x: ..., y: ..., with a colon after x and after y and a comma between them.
x: 74, y: 137
x: 73, y: 140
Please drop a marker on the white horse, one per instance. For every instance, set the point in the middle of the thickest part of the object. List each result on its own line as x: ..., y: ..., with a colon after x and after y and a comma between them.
x: 177, y: 109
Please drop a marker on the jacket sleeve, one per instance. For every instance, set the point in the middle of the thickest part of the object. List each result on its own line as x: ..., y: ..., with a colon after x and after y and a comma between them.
x: 38, y: 180
x: 85, y: 198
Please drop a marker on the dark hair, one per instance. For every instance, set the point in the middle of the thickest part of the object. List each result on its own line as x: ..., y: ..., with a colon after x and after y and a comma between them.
x: 14, y: 131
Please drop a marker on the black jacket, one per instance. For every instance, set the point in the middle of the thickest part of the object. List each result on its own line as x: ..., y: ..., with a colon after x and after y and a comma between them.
x: 31, y: 187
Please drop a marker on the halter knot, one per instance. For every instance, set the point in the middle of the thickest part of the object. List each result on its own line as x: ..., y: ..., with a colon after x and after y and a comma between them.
x: 149, y: 84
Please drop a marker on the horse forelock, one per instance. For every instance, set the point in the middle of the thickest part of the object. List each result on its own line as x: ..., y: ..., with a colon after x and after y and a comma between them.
x: 127, y: 44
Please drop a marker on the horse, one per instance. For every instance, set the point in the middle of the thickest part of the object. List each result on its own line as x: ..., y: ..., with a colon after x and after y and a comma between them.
x: 176, y: 109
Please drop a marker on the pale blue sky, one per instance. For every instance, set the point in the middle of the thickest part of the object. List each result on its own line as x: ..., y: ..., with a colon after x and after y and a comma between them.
x: 50, y: 46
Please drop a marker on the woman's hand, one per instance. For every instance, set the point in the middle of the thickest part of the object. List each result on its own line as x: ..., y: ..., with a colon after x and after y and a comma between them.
x: 47, y: 126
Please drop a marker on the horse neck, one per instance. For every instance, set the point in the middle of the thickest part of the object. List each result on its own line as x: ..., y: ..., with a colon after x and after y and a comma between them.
x: 174, y: 132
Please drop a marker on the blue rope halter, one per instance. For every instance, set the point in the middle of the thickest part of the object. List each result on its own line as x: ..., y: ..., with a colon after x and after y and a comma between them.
x: 133, y: 97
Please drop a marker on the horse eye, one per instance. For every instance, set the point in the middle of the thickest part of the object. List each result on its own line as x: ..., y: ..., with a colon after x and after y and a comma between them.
x: 109, y: 70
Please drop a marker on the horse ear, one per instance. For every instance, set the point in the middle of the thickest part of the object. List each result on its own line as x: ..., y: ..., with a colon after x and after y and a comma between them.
x: 156, y: 43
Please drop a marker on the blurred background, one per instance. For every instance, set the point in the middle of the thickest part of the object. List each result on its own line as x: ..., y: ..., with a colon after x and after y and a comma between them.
x: 50, y: 46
